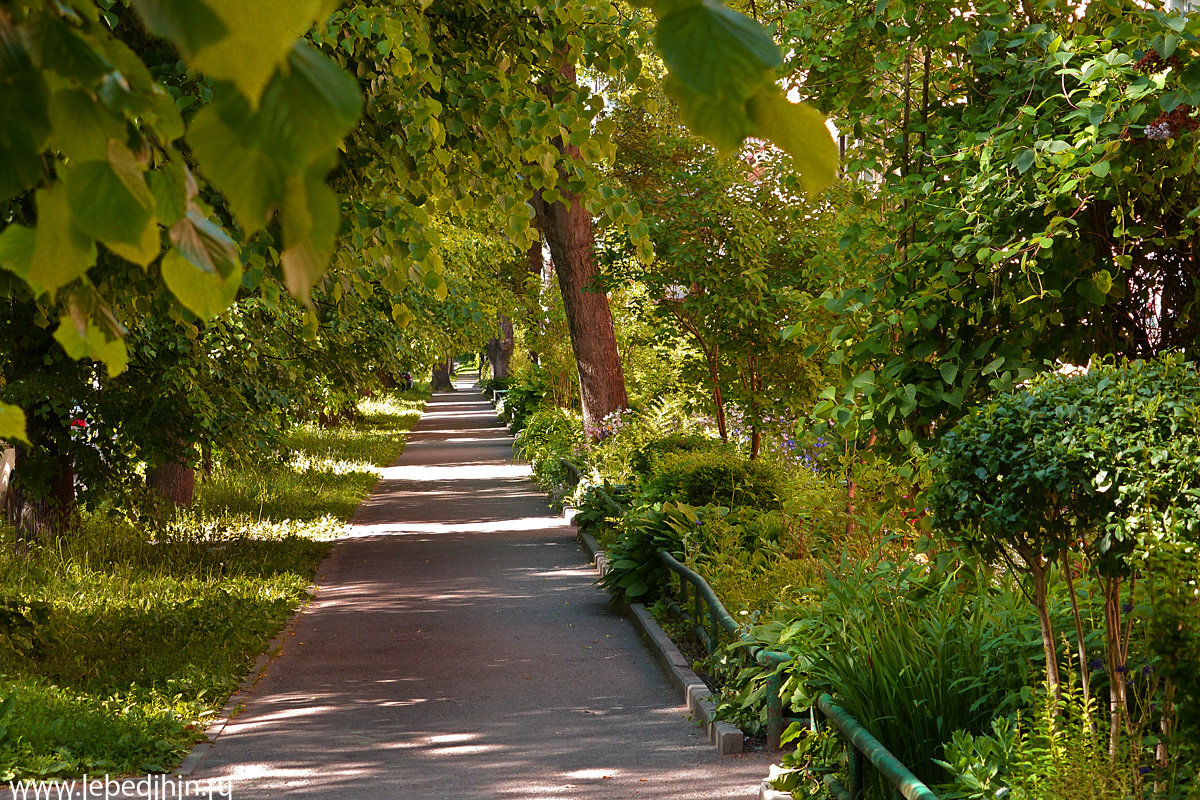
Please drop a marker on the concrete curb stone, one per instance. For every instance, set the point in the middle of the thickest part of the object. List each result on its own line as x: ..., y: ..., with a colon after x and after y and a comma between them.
x: 727, y: 738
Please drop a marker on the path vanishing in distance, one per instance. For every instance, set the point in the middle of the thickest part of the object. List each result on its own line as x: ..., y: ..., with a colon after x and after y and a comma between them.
x: 458, y: 647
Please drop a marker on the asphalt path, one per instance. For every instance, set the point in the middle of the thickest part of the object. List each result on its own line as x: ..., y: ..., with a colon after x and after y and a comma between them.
x: 458, y: 647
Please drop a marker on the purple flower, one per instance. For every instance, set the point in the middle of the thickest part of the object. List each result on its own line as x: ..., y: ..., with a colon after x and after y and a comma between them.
x: 1122, y: 669
x: 1126, y: 608
x: 1095, y: 664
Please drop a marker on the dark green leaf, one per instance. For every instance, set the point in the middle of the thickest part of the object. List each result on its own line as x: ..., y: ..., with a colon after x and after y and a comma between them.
x: 715, y: 51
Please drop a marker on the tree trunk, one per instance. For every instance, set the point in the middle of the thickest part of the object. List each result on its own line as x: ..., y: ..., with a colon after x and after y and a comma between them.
x: 1117, y: 646
x: 500, y: 348
x: 174, y: 480
x: 537, y: 267
x: 34, y: 513
x: 567, y: 228
x: 1038, y: 567
x: 441, y: 377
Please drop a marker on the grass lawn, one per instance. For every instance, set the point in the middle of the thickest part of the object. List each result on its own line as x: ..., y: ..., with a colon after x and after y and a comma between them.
x: 118, y: 643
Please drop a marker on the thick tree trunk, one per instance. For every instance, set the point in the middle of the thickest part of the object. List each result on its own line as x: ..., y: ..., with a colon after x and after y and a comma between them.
x: 174, y: 480
x: 500, y: 348
x: 441, y: 377
x: 567, y: 228
x: 50, y: 510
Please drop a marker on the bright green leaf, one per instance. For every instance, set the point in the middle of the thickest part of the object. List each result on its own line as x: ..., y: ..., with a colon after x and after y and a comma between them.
x: 799, y: 130
x: 12, y: 424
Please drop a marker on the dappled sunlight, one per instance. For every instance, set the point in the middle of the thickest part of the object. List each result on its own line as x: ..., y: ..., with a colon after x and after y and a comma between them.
x: 423, y: 473
x: 415, y: 528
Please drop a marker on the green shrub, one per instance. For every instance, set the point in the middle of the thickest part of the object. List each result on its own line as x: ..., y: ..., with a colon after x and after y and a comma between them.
x: 912, y: 652
x: 642, y: 460
x: 526, y: 394
x: 550, y: 436
x: 1051, y: 753
x: 716, y: 475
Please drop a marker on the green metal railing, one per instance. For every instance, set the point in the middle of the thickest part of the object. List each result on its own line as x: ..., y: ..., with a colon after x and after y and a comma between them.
x: 707, y: 607
x: 709, y: 618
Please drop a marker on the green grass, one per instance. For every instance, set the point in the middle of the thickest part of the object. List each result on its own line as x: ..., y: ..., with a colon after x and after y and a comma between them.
x: 119, y: 643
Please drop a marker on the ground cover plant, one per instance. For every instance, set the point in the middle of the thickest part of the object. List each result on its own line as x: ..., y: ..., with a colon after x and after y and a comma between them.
x: 121, y: 639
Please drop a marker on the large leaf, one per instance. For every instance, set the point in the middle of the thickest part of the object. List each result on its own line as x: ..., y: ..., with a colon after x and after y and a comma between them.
x: 12, y: 424
x: 203, y: 293
x: 225, y: 140
x: 259, y: 36
x: 24, y: 122
x: 714, y: 50
x: 799, y: 130
x: 62, y: 252
x: 110, y: 199
x: 16, y: 249
x: 309, y: 108
x: 80, y: 338
x: 311, y: 215
x: 82, y: 126
x: 202, y: 270
x: 721, y: 120
x: 66, y: 52
x: 191, y: 24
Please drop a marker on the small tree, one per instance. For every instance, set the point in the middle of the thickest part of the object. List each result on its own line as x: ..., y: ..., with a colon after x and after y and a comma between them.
x: 1101, y: 462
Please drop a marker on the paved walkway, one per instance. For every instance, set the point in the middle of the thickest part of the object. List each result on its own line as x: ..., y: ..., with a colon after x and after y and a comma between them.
x: 458, y: 648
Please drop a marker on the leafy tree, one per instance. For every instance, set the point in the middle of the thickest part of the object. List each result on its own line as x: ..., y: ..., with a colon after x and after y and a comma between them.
x: 733, y: 241
x: 1019, y: 208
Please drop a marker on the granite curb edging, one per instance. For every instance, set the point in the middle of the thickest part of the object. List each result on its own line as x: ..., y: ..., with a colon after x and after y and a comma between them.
x: 726, y: 737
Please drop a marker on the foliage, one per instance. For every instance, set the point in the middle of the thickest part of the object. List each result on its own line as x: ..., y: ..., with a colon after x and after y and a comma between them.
x: 1049, y: 114
x: 914, y: 653
x: 732, y: 244
x: 717, y: 475
x: 599, y: 507
x: 1052, y: 753
x: 526, y: 393
x: 1072, y: 455
x: 635, y: 573
x: 133, y: 636
x: 549, y: 437
x: 645, y: 455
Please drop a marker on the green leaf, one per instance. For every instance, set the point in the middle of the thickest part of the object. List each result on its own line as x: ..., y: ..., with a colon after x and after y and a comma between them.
x: 401, y: 315
x: 110, y: 200
x: 206, y: 294
x: 799, y: 130
x: 24, y: 121
x: 82, y: 126
x: 12, y: 424
x: 67, y: 53
x: 234, y: 160
x: 1024, y: 160
x: 258, y: 38
x: 81, y: 338
x: 307, y: 110
x: 1101, y: 168
x: 16, y: 249
x: 310, y: 216
x: 949, y: 371
x: 203, y: 270
x: 722, y: 121
x: 169, y: 185
x: 190, y: 24
x: 714, y: 50
x: 62, y: 252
